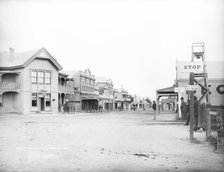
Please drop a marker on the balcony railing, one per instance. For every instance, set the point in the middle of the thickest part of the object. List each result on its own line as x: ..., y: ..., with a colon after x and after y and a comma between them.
x: 65, y: 88
x: 10, y: 86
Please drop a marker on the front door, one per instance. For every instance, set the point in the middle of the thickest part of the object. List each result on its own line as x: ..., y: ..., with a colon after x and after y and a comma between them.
x: 42, y: 103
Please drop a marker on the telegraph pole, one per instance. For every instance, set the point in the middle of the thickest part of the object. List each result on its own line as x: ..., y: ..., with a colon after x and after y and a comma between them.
x: 191, y: 82
x: 198, y: 54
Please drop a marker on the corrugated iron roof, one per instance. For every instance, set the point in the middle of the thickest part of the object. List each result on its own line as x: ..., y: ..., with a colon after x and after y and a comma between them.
x: 22, y: 59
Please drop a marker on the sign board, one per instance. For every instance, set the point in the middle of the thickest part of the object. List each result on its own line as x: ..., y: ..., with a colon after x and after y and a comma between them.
x: 191, y: 87
x: 184, y: 69
x: 198, y: 49
x: 179, y: 89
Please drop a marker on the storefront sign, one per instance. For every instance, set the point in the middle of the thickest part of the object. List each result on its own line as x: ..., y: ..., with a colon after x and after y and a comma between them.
x: 192, y: 87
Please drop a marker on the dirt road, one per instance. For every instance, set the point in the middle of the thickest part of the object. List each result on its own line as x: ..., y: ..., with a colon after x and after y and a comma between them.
x: 115, y: 141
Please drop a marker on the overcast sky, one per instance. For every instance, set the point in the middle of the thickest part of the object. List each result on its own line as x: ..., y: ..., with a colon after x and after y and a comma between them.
x: 135, y: 43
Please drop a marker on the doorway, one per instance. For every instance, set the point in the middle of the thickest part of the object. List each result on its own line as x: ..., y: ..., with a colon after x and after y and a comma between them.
x: 42, y: 103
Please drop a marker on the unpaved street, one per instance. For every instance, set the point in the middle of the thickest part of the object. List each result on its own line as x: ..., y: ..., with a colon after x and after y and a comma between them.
x: 116, y: 141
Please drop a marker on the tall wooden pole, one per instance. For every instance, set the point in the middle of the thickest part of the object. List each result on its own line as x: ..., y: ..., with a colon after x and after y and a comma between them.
x: 191, y: 82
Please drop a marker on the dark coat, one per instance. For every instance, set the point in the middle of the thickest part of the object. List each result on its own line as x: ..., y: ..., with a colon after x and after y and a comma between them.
x: 154, y: 106
x: 66, y: 107
x: 196, y: 105
x: 183, y: 106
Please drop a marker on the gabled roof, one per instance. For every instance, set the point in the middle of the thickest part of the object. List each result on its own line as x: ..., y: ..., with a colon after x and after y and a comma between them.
x: 23, y: 59
x: 169, y: 91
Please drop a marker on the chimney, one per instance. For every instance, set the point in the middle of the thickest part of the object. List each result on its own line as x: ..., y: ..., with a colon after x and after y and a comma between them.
x: 11, y: 54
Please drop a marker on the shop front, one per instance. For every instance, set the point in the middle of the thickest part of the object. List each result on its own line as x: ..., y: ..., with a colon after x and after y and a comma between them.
x: 89, y: 103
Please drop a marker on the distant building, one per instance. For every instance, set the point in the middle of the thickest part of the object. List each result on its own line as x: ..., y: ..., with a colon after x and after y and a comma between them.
x: 126, y: 98
x: 28, y: 82
x: 170, y: 100
x: 139, y: 102
x: 121, y: 99
x: 85, y: 95
x: 118, y: 100
x: 105, y: 93
x: 168, y: 104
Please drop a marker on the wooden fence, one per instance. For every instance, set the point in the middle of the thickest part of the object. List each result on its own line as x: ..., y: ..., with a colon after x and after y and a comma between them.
x: 215, y: 126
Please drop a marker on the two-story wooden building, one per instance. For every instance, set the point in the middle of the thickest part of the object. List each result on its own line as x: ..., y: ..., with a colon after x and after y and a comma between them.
x: 65, y: 89
x: 28, y: 82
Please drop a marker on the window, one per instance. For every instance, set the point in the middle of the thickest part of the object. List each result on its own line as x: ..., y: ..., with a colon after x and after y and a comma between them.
x: 82, y: 79
x: 40, y: 77
x: 34, y: 77
x: 48, y: 99
x: 34, y: 99
x: 47, y: 78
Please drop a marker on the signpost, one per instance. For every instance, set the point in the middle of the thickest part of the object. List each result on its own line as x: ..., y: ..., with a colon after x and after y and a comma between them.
x: 191, y: 92
x: 191, y: 87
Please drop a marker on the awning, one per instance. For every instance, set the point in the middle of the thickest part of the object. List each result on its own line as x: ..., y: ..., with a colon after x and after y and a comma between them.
x: 89, y: 98
x: 169, y: 91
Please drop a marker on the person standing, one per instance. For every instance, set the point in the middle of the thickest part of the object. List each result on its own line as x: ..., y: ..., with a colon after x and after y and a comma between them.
x: 188, y: 112
x: 183, y: 108
x: 66, y: 108
x: 100, y: 108
x: 154, y: 109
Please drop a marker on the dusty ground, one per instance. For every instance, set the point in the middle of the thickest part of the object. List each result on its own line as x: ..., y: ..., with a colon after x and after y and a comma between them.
x: 115, y: 141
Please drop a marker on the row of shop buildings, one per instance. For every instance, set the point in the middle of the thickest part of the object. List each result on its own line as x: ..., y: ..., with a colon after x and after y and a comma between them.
x: 34, y: 81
